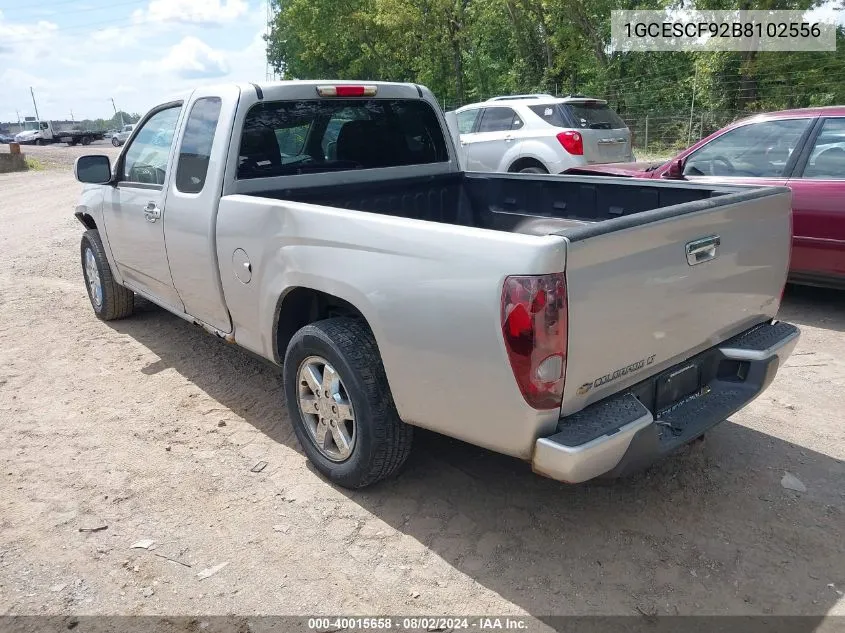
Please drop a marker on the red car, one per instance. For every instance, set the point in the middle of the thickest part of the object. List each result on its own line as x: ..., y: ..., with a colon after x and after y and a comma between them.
x: 802, y: 149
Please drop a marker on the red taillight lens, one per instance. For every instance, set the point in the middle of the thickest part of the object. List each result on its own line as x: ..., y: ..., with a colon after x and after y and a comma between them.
x: 350, y: 91
x: 347, y: 91
x: 572, y: 142
x: 534, y: 324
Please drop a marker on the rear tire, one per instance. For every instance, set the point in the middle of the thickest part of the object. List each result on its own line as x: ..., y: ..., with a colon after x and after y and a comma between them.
x: 533, y: 170
x: 86, y: 140
x: 115, y: 142
x: 377, y: 441
x: 109, y: 299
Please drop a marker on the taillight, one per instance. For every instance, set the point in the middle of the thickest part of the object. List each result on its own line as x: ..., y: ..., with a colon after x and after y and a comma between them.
x: 534, y: 324
x: 347, y: 91
x: 572, y: 142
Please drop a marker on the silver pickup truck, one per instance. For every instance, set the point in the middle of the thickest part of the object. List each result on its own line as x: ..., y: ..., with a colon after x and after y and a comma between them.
x: 587, y: 325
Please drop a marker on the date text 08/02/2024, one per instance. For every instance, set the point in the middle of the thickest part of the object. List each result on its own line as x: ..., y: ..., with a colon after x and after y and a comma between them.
x: 417, y: 623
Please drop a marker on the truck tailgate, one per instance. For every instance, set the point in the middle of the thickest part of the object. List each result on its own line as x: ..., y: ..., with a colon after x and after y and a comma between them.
x: 647, y: 291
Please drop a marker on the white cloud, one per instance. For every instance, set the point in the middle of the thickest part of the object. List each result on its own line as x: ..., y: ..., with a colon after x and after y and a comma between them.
x: 192, y: 11
x: 190, y: 59
x: 139, y: 64
x: 827, y: 12
x: 28, y: 37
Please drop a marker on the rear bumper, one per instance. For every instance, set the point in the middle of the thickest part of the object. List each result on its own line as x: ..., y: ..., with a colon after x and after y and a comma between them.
x: 625, y: 433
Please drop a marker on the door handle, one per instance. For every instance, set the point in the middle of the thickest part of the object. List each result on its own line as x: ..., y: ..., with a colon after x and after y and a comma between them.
x: 508, y: 139
x: 152, y: 212
x: 703, y: 250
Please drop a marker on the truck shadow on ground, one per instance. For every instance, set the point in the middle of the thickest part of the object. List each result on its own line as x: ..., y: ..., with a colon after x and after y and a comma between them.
x: 815, y: 307
x: 709, y: 530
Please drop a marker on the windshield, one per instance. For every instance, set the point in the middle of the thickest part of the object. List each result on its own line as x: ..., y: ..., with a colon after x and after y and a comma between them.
x: 291, y: 137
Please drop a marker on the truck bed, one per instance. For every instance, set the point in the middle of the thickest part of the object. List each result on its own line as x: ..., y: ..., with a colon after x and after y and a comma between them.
x: 631, y: 285
x: 537, y: 205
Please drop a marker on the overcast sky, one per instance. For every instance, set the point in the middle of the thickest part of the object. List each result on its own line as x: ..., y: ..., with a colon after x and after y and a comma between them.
x: 77, y: 54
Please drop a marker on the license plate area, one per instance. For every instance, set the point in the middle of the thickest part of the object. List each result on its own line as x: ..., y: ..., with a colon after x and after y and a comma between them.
x: 675, y: 385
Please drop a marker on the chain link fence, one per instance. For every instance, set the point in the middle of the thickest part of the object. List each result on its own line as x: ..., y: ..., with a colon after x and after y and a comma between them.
x: 656, y: 134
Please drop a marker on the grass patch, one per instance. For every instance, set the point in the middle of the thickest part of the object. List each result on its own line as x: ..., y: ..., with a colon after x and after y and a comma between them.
x: 34, y: 164
x: 653, y: 155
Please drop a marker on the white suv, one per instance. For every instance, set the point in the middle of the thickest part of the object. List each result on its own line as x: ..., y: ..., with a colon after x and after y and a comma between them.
x: 541, y: 134
x: 119, y: 138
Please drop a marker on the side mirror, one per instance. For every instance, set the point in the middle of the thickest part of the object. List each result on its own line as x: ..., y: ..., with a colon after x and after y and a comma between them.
x: 93, y: 169
x: 675, y: 171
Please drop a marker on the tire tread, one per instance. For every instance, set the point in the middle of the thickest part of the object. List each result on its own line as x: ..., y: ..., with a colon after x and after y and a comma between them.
x: 392, y: 438
x: 118, y: 301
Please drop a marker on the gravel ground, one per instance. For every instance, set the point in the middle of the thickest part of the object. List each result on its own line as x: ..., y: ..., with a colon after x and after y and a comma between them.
x: 61, y: 156
x: 150, y: 427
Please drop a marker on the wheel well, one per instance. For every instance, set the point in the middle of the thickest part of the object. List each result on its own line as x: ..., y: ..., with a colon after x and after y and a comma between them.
x: 301, y: 306
x: 87, y: 220
x: 522, y: 163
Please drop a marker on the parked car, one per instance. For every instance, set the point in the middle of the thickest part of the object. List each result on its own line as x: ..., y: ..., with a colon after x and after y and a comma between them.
x: 5, y: 139
x: 119, y: 138
x: 802, y: 149
x: 328, y: 228
x: 541, y: 134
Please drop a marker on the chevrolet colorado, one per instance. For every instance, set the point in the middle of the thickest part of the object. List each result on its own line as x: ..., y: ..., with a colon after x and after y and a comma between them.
x: 587, y: 325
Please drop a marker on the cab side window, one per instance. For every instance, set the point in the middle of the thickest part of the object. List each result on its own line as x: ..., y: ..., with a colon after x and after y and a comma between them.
x: 827, y: 159
x: 466, y: 120
x: 499, y: 120
x: 759, y: 150
x: 145, y: 160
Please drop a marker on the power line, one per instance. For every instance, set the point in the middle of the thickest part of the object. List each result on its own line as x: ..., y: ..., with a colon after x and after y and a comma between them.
x: 46, y: 6
x: 122, y: 22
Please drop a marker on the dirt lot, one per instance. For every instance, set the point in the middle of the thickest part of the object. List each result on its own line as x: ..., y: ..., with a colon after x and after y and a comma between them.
x: 60, y: 156
x: 151, y: 427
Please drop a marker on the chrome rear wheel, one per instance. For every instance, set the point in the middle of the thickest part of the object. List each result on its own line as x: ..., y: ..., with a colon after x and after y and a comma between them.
x: 326, y: 409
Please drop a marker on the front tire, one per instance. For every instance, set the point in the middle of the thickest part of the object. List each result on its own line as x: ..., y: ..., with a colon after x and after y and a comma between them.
x: 340, y: 403
x: 109, y: 299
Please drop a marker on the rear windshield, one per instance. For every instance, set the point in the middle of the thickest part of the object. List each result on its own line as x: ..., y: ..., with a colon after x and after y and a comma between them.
x: 294, y: 137
x: 583, y: 114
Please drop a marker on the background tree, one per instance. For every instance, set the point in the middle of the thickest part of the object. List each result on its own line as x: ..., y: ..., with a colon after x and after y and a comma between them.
x: 470, y: 50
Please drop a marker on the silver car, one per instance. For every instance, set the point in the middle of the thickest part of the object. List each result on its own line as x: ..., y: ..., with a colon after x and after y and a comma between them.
x: 119, y: 138
x: 541, y: 134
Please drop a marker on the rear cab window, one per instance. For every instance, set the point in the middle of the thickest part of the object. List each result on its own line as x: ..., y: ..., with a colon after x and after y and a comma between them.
x: 585, y: 115
x: 282, y: 138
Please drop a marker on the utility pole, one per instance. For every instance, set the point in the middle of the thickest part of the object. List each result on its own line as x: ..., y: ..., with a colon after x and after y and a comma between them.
x: 115, y: 111
x: 32, y: 92
x: 269, y: 71
x: 72, y: 120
